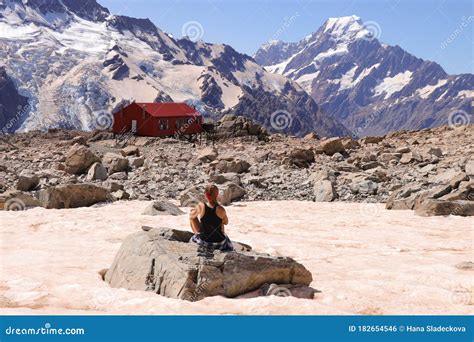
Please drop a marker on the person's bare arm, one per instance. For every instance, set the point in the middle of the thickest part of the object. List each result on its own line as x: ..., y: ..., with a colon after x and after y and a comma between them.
x: 223, y: 215
x: 194, y: 218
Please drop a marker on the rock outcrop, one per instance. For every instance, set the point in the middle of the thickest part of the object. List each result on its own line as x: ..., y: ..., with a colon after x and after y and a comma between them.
x: 162, y: 207
x: 73, y: 196
x: 162, y: 261
x: 79, y: 158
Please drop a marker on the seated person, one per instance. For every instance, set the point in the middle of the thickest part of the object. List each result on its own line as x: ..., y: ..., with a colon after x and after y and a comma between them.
x: 208, y: 221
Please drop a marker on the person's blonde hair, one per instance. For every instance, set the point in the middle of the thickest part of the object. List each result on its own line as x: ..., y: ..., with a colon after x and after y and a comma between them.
x: 213, y: 192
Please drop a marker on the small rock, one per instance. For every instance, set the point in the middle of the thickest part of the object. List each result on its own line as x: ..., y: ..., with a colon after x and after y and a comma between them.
x: 130, y: 151
x: 350, y: 144
x: 311, y: 136
x: 115, y: 163
x: 27, y: 181
x: 97, y: 172
x: 337, y: 157
x: 120, y: 195
x: 402, y: 150
x: 301, y: 157
x: 207, y: 154
x: 370, y: 165
x: 365, y: 187
x: 136, y: 162
x: 237, y: 166
x: 120, y: 176
x: 455, y: 181
x: 332, y: 145
x: 435, y: 151
x: 371, y: 140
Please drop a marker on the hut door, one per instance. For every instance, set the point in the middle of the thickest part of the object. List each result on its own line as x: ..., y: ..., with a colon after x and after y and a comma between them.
x: 134, y: 127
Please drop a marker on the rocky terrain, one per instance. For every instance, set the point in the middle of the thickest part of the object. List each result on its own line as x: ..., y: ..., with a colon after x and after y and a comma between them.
x: 58, y: 169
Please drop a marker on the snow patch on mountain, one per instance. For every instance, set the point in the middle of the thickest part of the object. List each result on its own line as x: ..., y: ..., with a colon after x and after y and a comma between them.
x: 425, y: 92
x: 347, y: 79
x: 391, y: 85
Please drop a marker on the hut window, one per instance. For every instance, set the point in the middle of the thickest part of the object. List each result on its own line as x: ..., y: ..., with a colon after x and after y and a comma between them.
x: 163, y: 124
x: 180, y: 123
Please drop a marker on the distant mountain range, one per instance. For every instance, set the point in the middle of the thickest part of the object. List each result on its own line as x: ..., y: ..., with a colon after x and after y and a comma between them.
x: 69, y: 64
x: 372, y: 88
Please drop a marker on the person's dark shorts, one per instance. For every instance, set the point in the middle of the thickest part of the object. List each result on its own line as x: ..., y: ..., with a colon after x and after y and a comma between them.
x: 224, y: 246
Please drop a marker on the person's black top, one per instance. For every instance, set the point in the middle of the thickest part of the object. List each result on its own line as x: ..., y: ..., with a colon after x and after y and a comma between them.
x: 211, y: 225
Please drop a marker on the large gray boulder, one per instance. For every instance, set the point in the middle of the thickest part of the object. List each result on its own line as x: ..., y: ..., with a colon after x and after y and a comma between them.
x: 73, y: 196
x: 162, y: 207
x: 14, y: 200
x: 230, y: 193
x: 164, y: 262
x: 207, y: 154
x: 434, y: 207
x: 301, y: 157
x: 27, y: 181
x: 115, y: 163
x: 78, y: 159
x: 236, y: 166
x: 323, y: 187
x: 332, y: 145
x: 97, y: 172
x: 192, y: 196
x: 324, y: 191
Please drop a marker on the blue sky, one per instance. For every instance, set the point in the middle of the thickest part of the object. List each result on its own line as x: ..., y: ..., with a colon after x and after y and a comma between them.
x: 438, y: 30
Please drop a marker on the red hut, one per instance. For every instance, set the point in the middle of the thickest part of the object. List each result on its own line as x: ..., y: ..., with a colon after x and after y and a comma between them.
x: 157, y: 119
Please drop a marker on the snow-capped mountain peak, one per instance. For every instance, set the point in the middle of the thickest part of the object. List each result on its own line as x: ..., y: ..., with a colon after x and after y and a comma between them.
x: 72, y: 62
x: 371, y: 87
x: 339, y: 27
